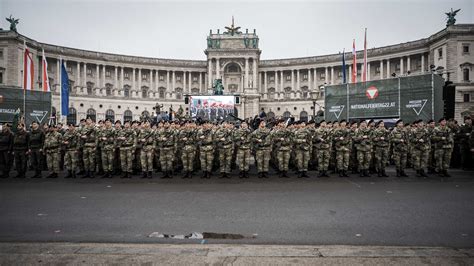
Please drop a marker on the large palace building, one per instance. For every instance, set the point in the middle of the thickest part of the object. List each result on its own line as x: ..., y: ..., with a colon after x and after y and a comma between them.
x: 123, y: 87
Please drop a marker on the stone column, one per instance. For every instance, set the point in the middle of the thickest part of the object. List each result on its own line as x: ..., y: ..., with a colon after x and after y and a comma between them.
x: 276, y: 81
x: 310, y: 86
x: 139, y: 80
x: 368, y: 71
x: 121, y: 77
x: 326, y: 78
x: 200, y: 81
x: 408, y: 63
x: 157, y: 79
x: 133, y: 80
x: 315, y: 80
x: 298, y: 79
x: 103, y: 76
x: 218, y: 69
x: 388, y: 68
x: 293, y: 80
x: 266, y: 82
x: 167, y: 79
x: 116, y: 78
x: 260, y: 85
x: 246, y: 81
x: 332, y: 75
x: 209, y: 71
x: 401, y: 66
x: 422, y: 63
x: 350, y: 73
x: 58, y: 75
x: 151, y: 79
x: 78, y: 75
x: 97, y: 81
x: 381, y: 69
x: 185, y: 89
x: 190, y: 79
x: 282, y: 81
x: 84, y: 80
x: 173, y: 81
x: 254, y: 73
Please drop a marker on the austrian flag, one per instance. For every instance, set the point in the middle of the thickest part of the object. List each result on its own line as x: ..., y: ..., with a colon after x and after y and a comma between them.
x: 28, y: 70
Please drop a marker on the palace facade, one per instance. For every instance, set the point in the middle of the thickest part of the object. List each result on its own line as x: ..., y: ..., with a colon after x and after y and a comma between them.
x: 123, y: 87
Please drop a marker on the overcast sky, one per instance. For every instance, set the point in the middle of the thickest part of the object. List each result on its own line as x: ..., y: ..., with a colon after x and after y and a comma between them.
x: 178, y: 29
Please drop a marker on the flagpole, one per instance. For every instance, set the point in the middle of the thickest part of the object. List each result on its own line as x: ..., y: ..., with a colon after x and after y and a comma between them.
x: 24, y: 81
x: 60, y: 89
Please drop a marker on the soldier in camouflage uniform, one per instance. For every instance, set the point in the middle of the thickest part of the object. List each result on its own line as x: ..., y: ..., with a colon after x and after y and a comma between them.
x: 90, y: 142
x: 205, y: 137
x: 382, y: 148
x: 342, y: 145
x: 98, y: 151
x: 399, y: 139
x: 431, y: 125
x: 146, y: 138
x: 322, y: 138
x: 166, y: 140
x: 70, y: 144
x: 107, y: 139
x: 363, y: 140
x: 126, y: 141
x: 52, y: 143
x: 465, y: 133
x: 187, y: 136
x: 242, y: 144
x: 262, y: 142
x: 282, y: 137
x: 443, y: 138
x: 80, y: 150
x: 421, y: 145
x: 353, y: 161
x: 303, y: 142
x: 36, y: 148
x: 225, y: 146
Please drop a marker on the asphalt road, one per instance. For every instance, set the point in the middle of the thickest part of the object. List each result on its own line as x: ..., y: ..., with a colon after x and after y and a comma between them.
x: 351, y: 211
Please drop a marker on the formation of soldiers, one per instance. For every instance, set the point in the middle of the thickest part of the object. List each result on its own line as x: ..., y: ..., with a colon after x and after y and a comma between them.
x: 107, y: 149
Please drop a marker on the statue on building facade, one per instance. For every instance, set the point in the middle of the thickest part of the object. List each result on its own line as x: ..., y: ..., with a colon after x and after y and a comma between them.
x: 450, y: 19
x: 218, y: 87
x: 232, y: 30
x: 13, y: 23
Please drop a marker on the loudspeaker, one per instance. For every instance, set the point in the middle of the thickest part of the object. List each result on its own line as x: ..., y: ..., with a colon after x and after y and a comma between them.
x: 237, y: 99
x: 186, y: 100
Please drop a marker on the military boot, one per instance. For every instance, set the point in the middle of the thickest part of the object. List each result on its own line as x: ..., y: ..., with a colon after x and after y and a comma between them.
x: 402, y: 173
x: 37, y: 174
x: 325, y: 173
x: 284, y: 174
x: 361, y: 173
x: 125, y: 175
x: 418, y: 173
x: 150, y: 174
x: 423, y: 174
x: 145, y: 174
x: 445, y: 172
x: 69, y: 174
x: 204, y: 175
x: 366, y: 173
x: 384, y: 174
x: 303, y: 174
x: 344, y: 173
x: 398, y: 173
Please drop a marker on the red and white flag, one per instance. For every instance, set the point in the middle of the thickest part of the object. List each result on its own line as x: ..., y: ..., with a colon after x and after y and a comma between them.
x: 44, y: 76
x: 354, y: 62
x: 364, y: 74
x: 28, y: 70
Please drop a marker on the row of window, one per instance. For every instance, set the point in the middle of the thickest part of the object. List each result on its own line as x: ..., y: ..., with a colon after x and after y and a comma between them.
x: 109, y: 114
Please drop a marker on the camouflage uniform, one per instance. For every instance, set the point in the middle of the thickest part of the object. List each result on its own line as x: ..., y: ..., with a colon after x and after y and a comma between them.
x: 282, y: 138
x: 187, y: 137
x: 126, y: 141
x: 107, y: 139
x: 225, y: 146
x: 242, y: 144
x: 166, y: 143
x: 303, y: 142
x: 51, y: 147
x: 342, y: 145
x: 399, y: 140
x: 71, y: 144
x: 90, y: 141
x: 363, y: 140
x: 262, y: 144
x: 146, y: 139
x: 205, y: 136
x: 443, y: 138
x: 322, y: 137
x: 382, y: 149
x: 421, y: 145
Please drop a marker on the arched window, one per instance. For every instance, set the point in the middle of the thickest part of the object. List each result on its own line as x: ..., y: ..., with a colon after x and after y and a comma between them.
x: 126, y: 91
x: 91, y: 113
x: 110, y: 114
x: 72, y: 116
x: 179, y: 94
x: 304, y: 116
x: 161, y: 92
x: 304, y: 92
x: 127, y: 116
x: 233, y: 68
x: 145, y: 114
x: 270, y: 114
x: 144, y: 92
x: 286, y: 115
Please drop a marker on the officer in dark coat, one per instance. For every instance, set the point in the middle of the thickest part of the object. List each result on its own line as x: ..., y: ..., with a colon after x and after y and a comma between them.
x: 6, y: 143
x: 20, y: 149
x: 36, y: 148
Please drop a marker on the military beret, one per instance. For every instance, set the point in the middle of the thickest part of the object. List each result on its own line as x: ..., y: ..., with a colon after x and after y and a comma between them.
x: 430, y: 121
x: 399, y: 121
x: 343, y: 120
x: 371, y: 121
x: 441, y: 119
x: 118, y: 122
x: 378, y: 122
x: 82, y: 120
x: 364, y: 121
x: 353, y: 122
x: 467, y: 118
x: 322, y: 121
x: 34, y: 122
